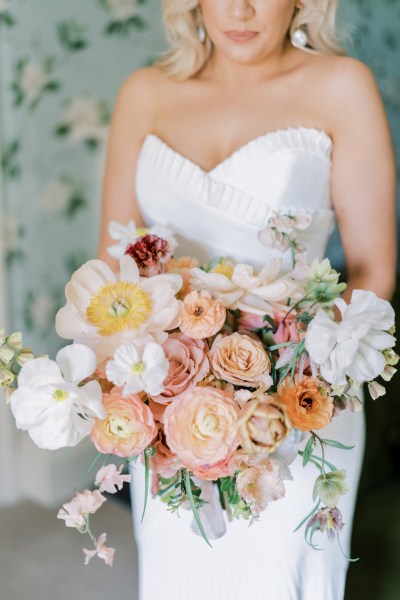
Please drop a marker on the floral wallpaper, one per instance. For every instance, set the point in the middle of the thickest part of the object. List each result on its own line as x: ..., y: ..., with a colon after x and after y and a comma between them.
x: 61, y: 65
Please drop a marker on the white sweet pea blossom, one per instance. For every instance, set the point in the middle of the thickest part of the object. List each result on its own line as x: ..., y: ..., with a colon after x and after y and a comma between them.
x: 106, y: 309
x: 33, y: 79
x: 354, y: 347
x: 244, y: 289
x: 138, y: 370
x: 49, y: 402
x: 84, y: 118
x: 129, y: 234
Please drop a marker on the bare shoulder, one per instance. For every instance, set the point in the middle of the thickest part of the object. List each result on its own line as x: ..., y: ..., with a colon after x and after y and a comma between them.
x: 345, y: 82
x: 140, y: 94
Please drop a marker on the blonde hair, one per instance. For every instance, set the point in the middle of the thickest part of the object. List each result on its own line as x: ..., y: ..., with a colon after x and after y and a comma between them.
x: 187, y: 54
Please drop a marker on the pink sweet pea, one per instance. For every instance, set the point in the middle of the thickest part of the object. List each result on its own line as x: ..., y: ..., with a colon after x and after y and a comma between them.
x: 84, y: 503
x: 109, y: 479
x: 102, y: 551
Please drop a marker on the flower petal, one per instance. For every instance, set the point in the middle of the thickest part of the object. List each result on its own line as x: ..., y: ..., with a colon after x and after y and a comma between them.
x: 77, y: 362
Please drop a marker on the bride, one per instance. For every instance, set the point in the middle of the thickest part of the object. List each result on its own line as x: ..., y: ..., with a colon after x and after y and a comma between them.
x: 253, y: 110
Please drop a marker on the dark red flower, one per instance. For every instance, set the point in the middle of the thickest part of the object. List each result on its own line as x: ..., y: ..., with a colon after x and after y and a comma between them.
x: 151, y: 254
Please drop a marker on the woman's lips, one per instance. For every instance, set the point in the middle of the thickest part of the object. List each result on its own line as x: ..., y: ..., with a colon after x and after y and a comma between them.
x: 241, y: 36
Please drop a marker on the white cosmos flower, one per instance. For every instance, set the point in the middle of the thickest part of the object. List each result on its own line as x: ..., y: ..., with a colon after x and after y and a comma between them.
x: 49, y: 402
x: 352, y: 348
x: 138, y: 370
x: 106, y: 309
x: 246, y: 290
x: 129, y: 234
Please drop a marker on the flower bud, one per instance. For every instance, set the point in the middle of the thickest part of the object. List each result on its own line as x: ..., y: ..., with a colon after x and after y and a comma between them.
x: 6, y: 354
x: 15, y: 340
x: 6, y: 376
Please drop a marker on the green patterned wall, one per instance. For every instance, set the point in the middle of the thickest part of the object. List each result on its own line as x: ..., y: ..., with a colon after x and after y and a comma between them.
x: 61, y: 65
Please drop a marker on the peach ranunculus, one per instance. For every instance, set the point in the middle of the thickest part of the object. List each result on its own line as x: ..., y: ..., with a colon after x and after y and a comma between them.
x: 164, y: 462
x: 201, y: 427
x: 240, y: 359
x: 308, y: 403
x: 260, y: 485
x: 202, y: 316
x: 181, y: 266
x: 188, y: 364
x: 263, y: 425
x: 128, y: 427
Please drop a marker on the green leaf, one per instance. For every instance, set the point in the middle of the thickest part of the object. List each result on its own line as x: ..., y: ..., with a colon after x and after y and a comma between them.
x: 336, y: 444
x: 146, y: 482
x: 188, y: 486
x: 308, y: 450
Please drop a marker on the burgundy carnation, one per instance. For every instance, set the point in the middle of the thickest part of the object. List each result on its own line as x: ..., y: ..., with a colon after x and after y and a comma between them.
x: 151, y: 254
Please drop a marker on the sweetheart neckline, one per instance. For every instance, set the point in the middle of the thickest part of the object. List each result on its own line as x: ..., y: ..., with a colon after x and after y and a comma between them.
x: 242, y: 148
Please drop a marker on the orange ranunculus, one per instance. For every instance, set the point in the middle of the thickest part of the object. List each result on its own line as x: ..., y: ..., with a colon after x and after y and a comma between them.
x: 308, y: 404
x: 128, y: 427
x: 202, y: 316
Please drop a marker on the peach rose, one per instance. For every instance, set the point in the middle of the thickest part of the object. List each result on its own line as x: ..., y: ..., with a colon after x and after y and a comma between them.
x: 239, y: 359
x: 260, y: 485
x: 308, y: 404
x: 263, y: 425
x: 202, y: 316
x: 182, y: 267
x: 128, y: 427
x: 188, y: 364
x: 201, y: 427
x: 164, y: 462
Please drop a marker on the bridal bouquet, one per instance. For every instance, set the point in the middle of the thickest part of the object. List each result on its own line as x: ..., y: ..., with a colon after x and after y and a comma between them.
x: 216, y: 376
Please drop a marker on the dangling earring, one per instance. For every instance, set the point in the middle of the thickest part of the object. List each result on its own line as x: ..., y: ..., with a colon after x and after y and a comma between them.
x: 299, y: 38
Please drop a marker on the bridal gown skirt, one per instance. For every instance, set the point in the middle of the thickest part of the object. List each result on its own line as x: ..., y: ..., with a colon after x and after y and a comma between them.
x: 266, y: 561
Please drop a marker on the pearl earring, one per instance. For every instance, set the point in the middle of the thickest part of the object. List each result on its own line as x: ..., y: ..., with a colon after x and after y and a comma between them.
x: 201, y: 33
x: 299, y: 38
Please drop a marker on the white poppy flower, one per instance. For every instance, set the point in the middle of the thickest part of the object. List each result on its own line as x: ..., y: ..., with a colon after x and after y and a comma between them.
x: 129, y: 234
x: 49, y: 402
x: 138, y: 370
x: 352, y: 348
x: 105, y: 310
x: 242, y: 288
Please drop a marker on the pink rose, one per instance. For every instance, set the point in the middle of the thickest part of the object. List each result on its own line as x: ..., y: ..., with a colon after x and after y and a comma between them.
x: 128, y: 427
x: 201, y: 428
x: 188, y: 364
x: 259, y: 485
x: 248, y: 322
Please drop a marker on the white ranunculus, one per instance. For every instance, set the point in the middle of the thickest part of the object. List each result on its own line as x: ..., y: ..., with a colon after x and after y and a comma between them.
x: 104, y: 310
x: 138, y: 370
x: 253, y: 293
x: 123, y: 9
x: 49, y: 402
x: 129, y: 234
x: 56, y: 197
x: 352, y: 348
x: 33, y: 79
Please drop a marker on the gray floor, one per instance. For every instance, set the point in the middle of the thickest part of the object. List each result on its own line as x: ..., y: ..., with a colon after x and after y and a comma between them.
x: 41, y: 559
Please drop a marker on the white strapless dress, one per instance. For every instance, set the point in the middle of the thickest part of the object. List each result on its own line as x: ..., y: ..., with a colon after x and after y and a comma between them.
x: 219, y: 213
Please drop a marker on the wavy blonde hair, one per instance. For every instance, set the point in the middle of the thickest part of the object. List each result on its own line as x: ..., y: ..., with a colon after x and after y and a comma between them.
x: 187, y: 54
